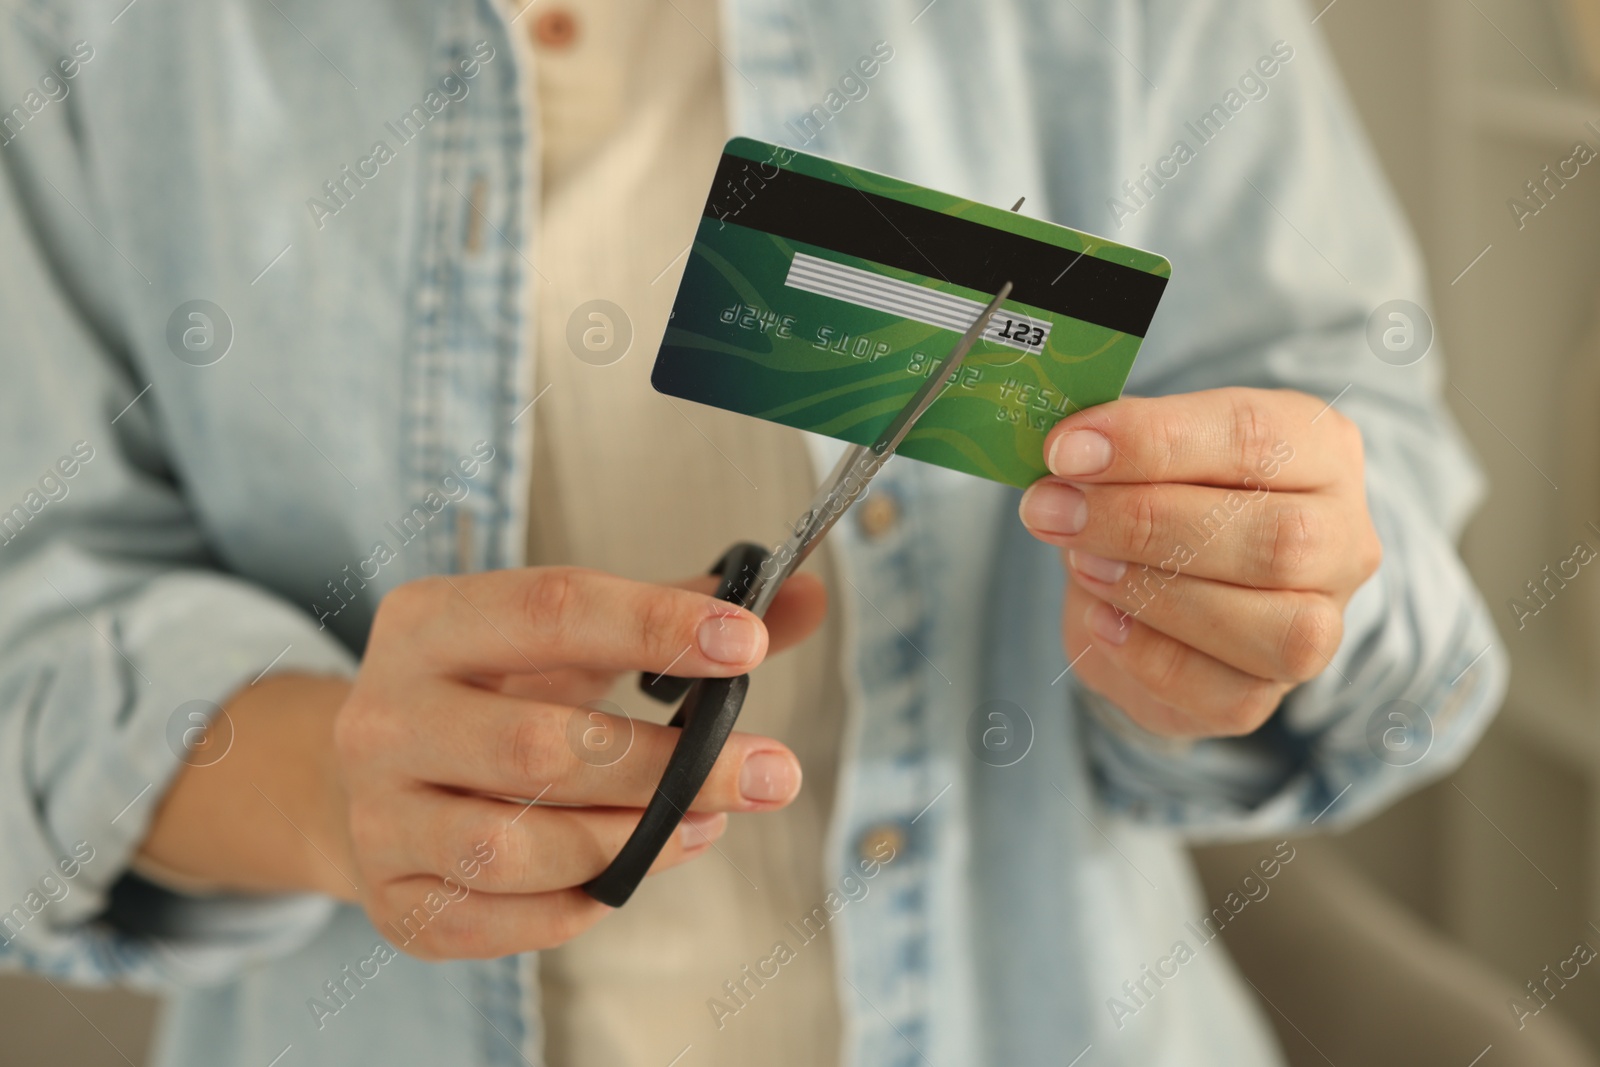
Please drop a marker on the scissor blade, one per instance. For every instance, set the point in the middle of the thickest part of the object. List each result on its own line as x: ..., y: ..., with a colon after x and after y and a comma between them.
x: 896, y: 432
x: 856, y: 469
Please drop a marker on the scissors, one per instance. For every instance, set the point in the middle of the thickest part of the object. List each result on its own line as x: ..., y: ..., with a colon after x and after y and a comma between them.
x: 751, y: 577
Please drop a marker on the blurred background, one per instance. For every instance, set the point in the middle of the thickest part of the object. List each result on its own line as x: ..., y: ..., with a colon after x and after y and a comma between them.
x: 1467, y: 891
x: 1413, y: 939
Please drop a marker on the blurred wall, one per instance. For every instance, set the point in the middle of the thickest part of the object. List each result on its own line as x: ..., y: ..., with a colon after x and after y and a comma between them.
x: 1466, y: 101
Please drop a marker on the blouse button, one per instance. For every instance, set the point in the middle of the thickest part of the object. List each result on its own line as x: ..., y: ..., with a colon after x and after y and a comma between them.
x: 555, y: 28
x: 881, y: 843
x: 878, y: 514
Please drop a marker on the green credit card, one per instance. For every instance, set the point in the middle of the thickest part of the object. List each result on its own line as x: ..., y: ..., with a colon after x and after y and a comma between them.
x: 820, y: 296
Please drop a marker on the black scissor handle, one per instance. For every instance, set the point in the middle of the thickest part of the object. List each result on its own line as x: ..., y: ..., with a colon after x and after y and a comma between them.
x: 708, y: 714
x: 737, y: 568
x: 710, y: 708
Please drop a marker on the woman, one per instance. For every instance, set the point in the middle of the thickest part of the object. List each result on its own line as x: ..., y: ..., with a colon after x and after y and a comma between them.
x: 299, y: 294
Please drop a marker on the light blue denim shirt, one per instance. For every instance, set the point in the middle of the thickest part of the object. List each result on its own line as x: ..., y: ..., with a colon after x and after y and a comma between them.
x: 188, y: 550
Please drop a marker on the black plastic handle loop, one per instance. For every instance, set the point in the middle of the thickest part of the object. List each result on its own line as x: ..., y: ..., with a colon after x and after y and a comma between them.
x: 710, y: 708
x: 737, y: 568
x: 708, y: 713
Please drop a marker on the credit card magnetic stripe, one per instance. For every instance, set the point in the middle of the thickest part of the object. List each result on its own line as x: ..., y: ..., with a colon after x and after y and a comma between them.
x: 908, y: 300
x: 919, y: 240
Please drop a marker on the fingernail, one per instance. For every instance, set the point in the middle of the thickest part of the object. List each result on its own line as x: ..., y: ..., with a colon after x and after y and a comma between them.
x: 1097, y: 567
x: 1080, y: 452
x: 730, y: 638
x: 1053, y: 508
x: 1108, y: 623
x: 699, y: 829
x: 769, y: 776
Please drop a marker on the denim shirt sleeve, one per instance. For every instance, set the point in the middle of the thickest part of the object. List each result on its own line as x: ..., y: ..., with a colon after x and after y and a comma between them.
x: 1285, y: 239
x: 112, y: 614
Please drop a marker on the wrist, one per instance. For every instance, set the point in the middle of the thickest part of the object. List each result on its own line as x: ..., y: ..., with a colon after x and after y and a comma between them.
x: 269, y: 815
x: 312, y: 789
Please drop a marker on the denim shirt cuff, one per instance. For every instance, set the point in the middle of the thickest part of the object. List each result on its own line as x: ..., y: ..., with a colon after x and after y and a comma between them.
x: 103, y: 738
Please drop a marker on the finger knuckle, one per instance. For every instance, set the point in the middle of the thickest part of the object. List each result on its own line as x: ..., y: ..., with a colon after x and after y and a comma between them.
x: 530, y: 753
x: 1160, y: 665
x: 1253, y: 432
x: 410, y: 604
x: 1143, y: 528
x: 549, y: 597
x: 662, y: 623
x: 359, y: 728
x: 1310, y: 640
x: 1293, y: 541
x: 1170, y: 440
